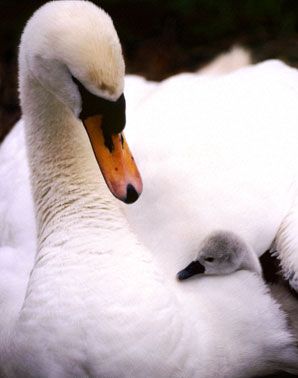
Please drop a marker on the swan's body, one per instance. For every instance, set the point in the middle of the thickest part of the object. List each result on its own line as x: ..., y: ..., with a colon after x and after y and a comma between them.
x: 235, y: 169
x: 222, y: 252
x: 96, y: 304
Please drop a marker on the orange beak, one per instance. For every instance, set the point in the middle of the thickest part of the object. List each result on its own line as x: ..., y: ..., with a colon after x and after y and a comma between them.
x: 115, y: 161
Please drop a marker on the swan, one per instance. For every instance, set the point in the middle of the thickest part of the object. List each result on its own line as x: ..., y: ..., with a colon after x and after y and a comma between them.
x: 222, y: 252
x: 91, y: 299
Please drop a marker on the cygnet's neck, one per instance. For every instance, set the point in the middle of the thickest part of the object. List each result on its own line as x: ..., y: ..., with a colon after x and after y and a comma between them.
x: 251, y: 262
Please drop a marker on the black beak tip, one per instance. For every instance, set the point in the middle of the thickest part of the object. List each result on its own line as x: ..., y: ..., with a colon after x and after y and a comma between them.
x: 131, y: 194
x: 195, y: 267
x: 182, y: 275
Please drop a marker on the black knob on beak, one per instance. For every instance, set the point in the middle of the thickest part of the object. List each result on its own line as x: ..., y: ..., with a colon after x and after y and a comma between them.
x: 131, y: 194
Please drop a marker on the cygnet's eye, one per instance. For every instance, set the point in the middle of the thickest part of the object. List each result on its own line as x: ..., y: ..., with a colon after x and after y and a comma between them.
x: 209, y: 259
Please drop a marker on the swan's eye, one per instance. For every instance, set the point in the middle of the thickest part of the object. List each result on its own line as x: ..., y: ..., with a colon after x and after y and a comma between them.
x: 209, y: 259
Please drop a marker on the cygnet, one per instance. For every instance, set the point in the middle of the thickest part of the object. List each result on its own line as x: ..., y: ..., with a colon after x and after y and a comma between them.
x: 222, y: 252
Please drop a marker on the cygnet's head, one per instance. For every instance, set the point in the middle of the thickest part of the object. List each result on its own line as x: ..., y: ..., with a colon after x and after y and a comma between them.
x: 222, y: 252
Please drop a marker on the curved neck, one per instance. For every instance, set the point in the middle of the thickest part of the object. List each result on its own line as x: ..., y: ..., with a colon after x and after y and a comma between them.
x: 251, y: 262
x: 68, y: 188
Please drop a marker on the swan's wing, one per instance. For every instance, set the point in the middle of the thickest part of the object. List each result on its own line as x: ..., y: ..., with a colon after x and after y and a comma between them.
x: 246, y: 326
x: 221, y: 153
x: 17, y: 224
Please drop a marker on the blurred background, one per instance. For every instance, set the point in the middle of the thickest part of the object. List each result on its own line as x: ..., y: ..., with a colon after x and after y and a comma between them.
x: 161, y: 38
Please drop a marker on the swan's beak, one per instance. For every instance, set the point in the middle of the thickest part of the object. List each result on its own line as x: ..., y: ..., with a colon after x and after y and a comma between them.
x: 195, y: 267
x: 115, y: 161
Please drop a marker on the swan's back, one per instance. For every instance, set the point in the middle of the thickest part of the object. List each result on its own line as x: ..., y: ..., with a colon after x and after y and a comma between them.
x: 219, y: 152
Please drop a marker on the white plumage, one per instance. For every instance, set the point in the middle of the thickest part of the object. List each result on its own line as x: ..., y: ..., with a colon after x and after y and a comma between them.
x: 221, y: 152
x: 98, y: 303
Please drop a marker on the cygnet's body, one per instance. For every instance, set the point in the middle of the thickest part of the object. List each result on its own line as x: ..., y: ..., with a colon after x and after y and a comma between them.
x: 222, y: 252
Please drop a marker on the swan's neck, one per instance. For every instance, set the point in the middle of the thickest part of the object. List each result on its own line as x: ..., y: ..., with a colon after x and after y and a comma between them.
x: 83, y: 238
x: 91, y: 275
x: 68, y: 188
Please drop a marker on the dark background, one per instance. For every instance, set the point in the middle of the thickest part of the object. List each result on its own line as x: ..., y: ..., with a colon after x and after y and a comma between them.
x: 160, y: 38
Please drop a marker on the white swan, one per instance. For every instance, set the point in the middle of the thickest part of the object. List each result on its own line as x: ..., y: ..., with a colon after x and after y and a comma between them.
x: 222, y: 252
x: 95, y: 303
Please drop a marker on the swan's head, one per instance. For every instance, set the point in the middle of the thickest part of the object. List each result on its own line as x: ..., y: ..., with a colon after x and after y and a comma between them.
x: 222, y: 252
x: 72, y: 49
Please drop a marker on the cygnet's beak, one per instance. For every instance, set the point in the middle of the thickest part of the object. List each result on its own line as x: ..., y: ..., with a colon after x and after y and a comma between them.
x: 115, y: 161
x: 195, y: 267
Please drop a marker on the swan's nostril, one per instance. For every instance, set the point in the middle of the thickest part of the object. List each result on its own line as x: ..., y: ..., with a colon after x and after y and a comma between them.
x: 131, y: 194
